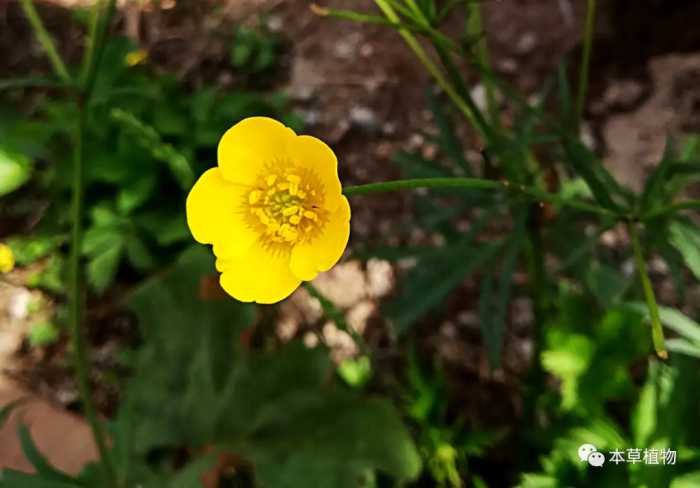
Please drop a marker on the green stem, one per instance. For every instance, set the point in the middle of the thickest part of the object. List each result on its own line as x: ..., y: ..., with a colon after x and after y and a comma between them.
x: 434, y: 71
x: 102, y: 16
x: 673, y: 208
x: 76, y: 303
x: 538, y: 292
x: 91, y: 42
x: 457, y: 80
x: 12, y: 83
x: 586, y: 60
x: 476, y: 184
x: 97, y: 35
x: 336, y: 316
x: 657, y: 333
x: 44, y: 38
x: 475, y: 28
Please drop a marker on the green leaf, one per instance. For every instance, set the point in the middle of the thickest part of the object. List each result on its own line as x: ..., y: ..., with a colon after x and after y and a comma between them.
x: 29, y: 249
x: 688, y: 480
x: 6, y: 411
x: 38, y: 461
x: 135, y: 194
x: 654, y: 188
x: 427, y: 285
x: 150, y: 139
x: 16, y: 479
x: 43, y: 334
x: 685, y: 237
x: 680, y: 323
x: 102, y: 267
x: 607, y: 284
x: 15, y: 169
x: 447, y: 138
x: 602, y: 184
x: 138, y: 254
x: 355, y: 372
x: 436, y: 274
x: 682, y: 346
x: 276, y: 409
x: 493, y: 310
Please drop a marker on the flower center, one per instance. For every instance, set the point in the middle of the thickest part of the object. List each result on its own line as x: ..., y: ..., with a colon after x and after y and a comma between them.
x: 285, y: 206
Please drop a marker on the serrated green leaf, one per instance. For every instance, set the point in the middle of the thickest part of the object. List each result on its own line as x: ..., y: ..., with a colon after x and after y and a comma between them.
x: 439, y: 275
x: 602, y: 184
x: 493, y: 309
x: 447, y: 138
x: 275, y: 409
x: 436, y: 274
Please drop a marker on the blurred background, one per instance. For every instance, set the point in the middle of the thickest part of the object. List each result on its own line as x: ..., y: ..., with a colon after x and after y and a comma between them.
x: 402, y: 327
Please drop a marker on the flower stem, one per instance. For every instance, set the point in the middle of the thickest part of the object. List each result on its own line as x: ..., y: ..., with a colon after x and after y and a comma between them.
x: 657, y: 333
x: 102, y: 15
x: 336, y: 316
x: 76, y: 303
x: 431, y: 67
x: 100, y: 21
x: 674, y: 207
x: 44, y: 38
x: 476, y: 184
x: 475, y: 28
x: 586, y: 60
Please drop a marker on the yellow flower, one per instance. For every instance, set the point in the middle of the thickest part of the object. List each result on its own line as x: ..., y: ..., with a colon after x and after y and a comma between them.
x: 7, y: 259
x: 273, y: 210
x: 135, y: 57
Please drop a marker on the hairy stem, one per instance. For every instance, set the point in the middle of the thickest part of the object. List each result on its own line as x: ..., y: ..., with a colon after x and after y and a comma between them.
x: 430, y: 66
x: 657, y: 333
x: 76, y: 303
x: 44, y: 38
x: 337, y: 316
x: 102, y: 16
x: 672, y: 208
x: 95, y: 45
x: 586, y: 60
x: 477, y: 184
x: 475, y: 28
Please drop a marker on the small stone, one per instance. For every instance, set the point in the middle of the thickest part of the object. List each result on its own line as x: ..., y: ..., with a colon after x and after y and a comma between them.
x: 364, y: 118
x: 507, y: 65
x: 526, y: 43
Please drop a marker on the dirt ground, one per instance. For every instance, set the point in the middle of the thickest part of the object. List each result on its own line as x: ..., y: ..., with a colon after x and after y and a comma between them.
x: 359, y: 88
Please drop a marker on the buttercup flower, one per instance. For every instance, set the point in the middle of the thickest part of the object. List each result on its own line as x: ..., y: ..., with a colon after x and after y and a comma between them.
x: 7, y: 259
x: 273, y: 210
x: 135, y: 57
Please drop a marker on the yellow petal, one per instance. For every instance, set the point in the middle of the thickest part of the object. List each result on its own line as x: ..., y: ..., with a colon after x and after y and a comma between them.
x: 214, y: 214
x: 322, y: 253
x: 260, y: 276
x: 248, y: 146
x: 7, y: 259
x: 314, y: 154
